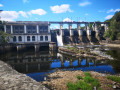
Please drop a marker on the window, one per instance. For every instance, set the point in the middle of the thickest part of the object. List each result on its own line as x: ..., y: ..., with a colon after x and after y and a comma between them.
x: 14, y: 39
x: 41, y: 38
x: 28, y: 38
x: 20, y: 38
x: 33, y: 38
x: 46, y: 38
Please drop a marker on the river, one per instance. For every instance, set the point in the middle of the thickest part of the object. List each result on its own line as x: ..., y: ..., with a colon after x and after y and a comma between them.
x: 38, y: 65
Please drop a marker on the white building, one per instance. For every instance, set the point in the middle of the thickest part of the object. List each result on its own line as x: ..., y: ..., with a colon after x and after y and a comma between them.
x: 28, y: 31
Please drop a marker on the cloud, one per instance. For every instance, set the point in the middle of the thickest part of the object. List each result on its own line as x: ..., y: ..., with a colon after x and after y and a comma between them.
x: 38, y: 12
x: 25, y: 1
x: 1, y: 5
x: 109, y: 17
x: 23, y: 13
x: 67, y: 20
x: 111, y: 10
x: 9, y: 15
x: 61, y: 9
x: 84, y: 4
x: 116, y: 10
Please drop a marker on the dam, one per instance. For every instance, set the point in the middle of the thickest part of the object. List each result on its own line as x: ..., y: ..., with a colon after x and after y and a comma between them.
x: 38, y: 34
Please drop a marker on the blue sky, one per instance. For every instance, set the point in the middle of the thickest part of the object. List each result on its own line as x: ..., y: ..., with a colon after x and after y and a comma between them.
x: 58, y: 10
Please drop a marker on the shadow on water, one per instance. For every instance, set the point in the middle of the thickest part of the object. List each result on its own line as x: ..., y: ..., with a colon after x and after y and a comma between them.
x: 38, y: 65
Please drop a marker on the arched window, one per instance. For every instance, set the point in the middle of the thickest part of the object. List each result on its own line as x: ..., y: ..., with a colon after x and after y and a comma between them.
x: 14, y: 39
x: 28, y: 38
x: 41, y: 38
x: 19, y: 38
x: 33, y: 38
x: 46, y: 38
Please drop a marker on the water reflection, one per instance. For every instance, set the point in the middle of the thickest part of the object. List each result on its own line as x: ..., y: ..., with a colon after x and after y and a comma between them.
x: 37, y: 65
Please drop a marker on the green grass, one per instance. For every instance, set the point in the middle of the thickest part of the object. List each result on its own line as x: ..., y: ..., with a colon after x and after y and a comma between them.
x: 86, y: 83
x: 114, y: 78
x: 79, y: 77
x: 87, y: 74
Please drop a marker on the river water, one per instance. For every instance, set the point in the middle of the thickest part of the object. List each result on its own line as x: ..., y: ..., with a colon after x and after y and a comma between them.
x: 38, y: 65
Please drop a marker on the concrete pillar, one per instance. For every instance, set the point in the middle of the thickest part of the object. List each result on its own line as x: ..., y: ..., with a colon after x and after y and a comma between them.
x: 80, y: 32
x: 36, y: 48
x: 61, y: 27
x: 96, y: 28
x: 78, y: 27
x: 4, y: 28
x: 11, y: 29
x: 48, y: 27
x: 25, y: 31
x: 37, y: 28
x: 88, y: 30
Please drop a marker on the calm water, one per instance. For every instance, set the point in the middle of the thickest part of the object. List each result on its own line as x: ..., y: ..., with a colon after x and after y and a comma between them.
x: 38, y: 65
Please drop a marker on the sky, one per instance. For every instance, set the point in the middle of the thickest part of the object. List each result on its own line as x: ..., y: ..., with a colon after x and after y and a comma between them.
x: 58, y: 10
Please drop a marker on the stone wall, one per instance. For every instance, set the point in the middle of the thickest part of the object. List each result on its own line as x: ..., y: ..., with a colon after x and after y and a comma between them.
x: 12, y: 80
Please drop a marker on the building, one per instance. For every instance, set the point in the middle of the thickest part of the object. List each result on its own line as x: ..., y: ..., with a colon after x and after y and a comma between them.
x: 28, y: 31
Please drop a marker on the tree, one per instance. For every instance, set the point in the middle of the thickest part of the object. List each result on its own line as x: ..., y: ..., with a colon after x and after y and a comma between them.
x: 4, y: 37
x: 114, y: 29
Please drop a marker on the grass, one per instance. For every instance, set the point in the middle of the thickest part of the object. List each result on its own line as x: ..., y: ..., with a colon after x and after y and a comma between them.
x: 85, y: 83
x: 79, y: 77
x: 114, y: 78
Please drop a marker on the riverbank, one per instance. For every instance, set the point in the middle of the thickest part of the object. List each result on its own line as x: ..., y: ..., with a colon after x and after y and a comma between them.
x: 59, y: 79
x: 13, y: 80
x: 111, y: 45
x: 84, y: 52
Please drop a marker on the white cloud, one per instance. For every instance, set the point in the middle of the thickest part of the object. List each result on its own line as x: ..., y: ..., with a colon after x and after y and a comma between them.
x: 61, y: 9
x: 38, y: 12
x: 84, y: 4
x: 109, y: 17
x: 116, y: 10
x: 23, y: 13
x: 9, y: 15
x: 25, y: 1
x: 111, y: 10
x: 67, y: 20
x: 1, y: 5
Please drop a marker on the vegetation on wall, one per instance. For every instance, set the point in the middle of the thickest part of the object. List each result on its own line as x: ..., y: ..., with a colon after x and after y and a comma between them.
x: 113, y: 31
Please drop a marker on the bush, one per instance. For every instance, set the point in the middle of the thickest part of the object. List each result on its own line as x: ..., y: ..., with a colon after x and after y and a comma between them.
x: 114, y: 78
x: 87, y: 74
x: 95, y: 83
x: 88, y: 79
x: 83, y: 85
x: 79, y: 77
x: 72, y: 86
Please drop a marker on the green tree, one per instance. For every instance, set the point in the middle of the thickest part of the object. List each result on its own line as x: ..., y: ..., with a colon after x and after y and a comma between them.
x: 4, y: 37
x: 114, y: 28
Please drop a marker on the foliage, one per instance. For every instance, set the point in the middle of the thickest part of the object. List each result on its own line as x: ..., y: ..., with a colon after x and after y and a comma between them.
x: 114, y: 78
x: 79, y: 77
x: 86, y: 83
x: 113, y: 31
x: 4, y: 38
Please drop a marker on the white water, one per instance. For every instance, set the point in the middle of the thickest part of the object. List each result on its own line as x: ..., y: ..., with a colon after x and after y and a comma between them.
x: 59, y: 40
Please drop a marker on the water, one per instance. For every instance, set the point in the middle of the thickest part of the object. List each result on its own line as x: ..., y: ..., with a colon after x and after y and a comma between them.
x: 59, y: 40
x: 38, y: 65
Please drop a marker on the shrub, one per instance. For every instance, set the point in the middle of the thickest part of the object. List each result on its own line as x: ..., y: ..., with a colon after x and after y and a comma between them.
x: 114, y: 78
x: 83, y: 85
x: 87, y: 74
x: 95, y: 83
x: 72, y: 86
x: 79, y: 77
x: 88, y: 79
